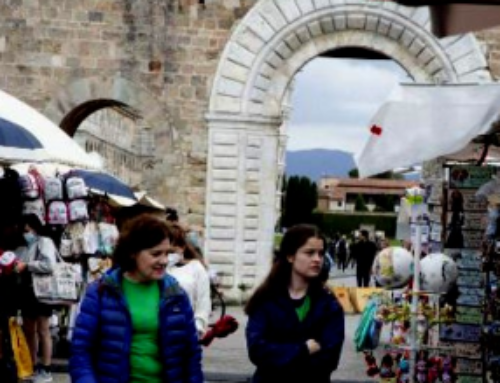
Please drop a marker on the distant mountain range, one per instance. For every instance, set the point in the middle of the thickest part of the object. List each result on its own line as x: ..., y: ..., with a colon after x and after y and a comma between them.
x: 316, y: 163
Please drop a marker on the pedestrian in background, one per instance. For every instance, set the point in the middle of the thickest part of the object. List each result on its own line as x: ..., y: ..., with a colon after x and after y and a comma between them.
x: 136, y: 324
x: 364, y: 251
x: 295, y: 329
x: 38, y: 257
x: 342, y: 253
x: 187, y: 266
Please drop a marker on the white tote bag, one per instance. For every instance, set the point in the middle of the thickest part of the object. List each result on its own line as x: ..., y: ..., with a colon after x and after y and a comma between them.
x: 59, y: 288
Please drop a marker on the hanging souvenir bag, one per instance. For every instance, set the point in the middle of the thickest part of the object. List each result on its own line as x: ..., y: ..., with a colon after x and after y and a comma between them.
x: 59, y: 288
x: 53, y: 189
x: 66, y: 246
x: 20, y: 349
x: 57, y: 213
x: 78, y: 210
x: 91, y: 238
x: 36, y: 207
x: 75, y: 232
x: 368, y: 332
x: 108, y: 235
x: 75, y: 188
x: 31, y: 185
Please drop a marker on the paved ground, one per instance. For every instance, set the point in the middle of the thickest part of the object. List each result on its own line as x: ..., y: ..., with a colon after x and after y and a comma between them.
x: 226, y: 359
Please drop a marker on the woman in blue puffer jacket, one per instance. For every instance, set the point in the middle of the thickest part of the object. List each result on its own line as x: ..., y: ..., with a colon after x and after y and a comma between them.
x: 136, y: 324
x: 295, y: 328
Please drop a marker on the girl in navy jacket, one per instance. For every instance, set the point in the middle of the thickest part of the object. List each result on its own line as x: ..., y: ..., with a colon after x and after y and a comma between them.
x: 295, y: 329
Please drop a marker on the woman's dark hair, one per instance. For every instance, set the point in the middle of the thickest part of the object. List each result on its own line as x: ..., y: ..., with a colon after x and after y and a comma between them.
x: 140, y: 233
x: 278, y: 278
x: 179, y: 239
x: 34, y: 223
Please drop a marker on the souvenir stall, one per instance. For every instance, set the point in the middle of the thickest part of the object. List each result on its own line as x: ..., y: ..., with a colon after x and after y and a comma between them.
x: 398, y: 331
x: 458, y: 242
x: 78, y: 209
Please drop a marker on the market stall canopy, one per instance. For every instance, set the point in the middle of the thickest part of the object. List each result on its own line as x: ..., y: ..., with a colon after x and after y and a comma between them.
x: 421, y: 122
x: 148, y: 201
x: 56, y: 145
x: 457, y: 17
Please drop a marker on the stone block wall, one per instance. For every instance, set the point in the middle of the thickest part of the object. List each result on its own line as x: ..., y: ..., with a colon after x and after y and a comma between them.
x: 158, y: 56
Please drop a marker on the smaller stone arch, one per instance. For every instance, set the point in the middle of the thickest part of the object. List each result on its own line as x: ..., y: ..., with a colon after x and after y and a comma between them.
x: 86, y: 95
x: 116, y: 89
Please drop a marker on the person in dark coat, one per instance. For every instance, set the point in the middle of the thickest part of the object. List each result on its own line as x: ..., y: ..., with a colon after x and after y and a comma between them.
x: 295, y: 330
x: 136, y: 324
x: 364, y: 251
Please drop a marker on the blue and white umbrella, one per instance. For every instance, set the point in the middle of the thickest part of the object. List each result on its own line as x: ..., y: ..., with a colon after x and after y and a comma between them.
x: 105, y: 183
x: 56, y: 145
x: 18, y: 144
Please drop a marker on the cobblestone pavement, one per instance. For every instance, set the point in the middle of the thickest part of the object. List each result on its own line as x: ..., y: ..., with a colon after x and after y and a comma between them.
x: 226, y: 359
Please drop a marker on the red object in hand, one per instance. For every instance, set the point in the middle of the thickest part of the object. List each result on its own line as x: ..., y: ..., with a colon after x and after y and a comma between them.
x: 376, y: 130
x: 8, y: 261
x: 222, y: 328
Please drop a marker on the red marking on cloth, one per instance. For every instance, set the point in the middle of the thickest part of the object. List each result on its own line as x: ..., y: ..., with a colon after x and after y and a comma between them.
x: 376, y: 130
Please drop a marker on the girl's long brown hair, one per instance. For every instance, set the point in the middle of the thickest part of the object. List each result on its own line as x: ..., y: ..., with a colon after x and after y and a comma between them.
x: 179, y: 239
x: 278, y: 278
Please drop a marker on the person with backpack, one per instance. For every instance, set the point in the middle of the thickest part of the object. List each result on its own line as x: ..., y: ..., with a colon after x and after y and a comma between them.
x: 295, y: 330
x: 136, y: 323
x: 38, y: 257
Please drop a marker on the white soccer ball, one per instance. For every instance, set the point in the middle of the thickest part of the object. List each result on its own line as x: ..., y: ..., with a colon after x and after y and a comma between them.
x: 393, y: 267
x: 438, y: 273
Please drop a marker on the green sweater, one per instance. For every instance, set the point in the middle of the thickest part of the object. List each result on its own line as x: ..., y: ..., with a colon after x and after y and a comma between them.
x: 144, y: 303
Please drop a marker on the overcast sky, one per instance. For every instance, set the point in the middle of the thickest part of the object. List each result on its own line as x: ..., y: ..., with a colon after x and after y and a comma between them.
x: 334, y: 99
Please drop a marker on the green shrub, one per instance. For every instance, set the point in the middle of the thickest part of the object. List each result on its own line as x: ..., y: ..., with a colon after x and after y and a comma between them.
x: 332, y: 223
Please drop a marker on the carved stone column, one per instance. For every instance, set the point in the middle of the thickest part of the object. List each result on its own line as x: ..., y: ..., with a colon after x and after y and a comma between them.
x: 241, y: 195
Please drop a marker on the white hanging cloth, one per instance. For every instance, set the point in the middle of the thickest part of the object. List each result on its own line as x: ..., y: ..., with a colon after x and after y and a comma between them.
x: 421, y: 122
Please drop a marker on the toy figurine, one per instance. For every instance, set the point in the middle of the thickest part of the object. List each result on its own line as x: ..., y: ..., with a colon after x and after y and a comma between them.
x: 422, y: 325
x: 398, y: 333
x: 447, y: 373
x: 433, y: 371
x: 387, y: 374
x: 373, y: 369
x: 421, y: 368
x: 403, y: 369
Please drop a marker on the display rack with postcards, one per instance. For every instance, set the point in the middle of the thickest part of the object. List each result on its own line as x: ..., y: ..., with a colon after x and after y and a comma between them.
x: 465, y: 226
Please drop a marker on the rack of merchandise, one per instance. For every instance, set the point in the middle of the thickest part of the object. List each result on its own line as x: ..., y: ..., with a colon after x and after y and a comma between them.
x: 464, y: 216
x: 413, y: 352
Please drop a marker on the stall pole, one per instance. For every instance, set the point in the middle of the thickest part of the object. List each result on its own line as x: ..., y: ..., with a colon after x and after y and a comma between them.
x: 417, y: 250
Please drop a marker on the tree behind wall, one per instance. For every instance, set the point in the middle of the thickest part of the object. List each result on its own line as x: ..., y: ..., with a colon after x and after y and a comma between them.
x: 300, y: 198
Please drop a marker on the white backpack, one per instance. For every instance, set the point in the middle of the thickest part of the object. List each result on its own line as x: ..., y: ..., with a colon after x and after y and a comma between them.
x: 75, y: 188
x: 78, y: 210
x: 30, y: 186
x: 53, y: 189
x: 36, y: 207
x: 57, y: 213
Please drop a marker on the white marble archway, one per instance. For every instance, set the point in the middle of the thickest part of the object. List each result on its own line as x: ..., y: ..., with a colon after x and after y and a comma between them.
x: 274, y: 40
